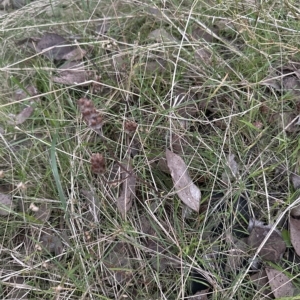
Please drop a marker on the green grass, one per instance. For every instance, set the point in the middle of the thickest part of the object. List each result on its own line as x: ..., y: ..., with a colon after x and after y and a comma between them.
x: 45, y: 160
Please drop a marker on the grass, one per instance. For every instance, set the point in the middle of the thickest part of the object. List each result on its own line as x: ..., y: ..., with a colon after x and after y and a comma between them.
x: 45, y: 160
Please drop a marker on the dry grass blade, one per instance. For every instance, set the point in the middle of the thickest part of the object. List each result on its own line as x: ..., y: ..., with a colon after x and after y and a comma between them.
x: 186, y: 190
x: 125, y: 200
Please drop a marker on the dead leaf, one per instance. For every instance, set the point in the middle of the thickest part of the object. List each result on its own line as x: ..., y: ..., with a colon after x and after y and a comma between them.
x: 103, y: 27
x: 233, y: 171
x: 51, y: 242
x: 72, y: 73
x: 186, y: 190
x: 119, y: 262
x: 22, y: 116
x: 289, y: 121
x: 127, y: 194
x: 280, y: 284
x: 44, y: 211
x: 161, y: 35
x: 235, y: 256
x: 201, y: 295
x: 295, y: 178
x: 295, y: 233
x: 19, y: 95
x: 260, y: 279
x: 6, y: 204
x: 93, y: 204
x: 273, y: 249
x: 284, y: 78
x: 200, y: 33
x: 58, y: 46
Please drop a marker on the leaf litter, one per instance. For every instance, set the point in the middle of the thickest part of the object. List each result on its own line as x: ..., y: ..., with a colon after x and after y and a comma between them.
x: 6, y: 204
x: 27, y: 111
x: 55, y: 47
x: 280, y: 284
x: 274, y: 247
x: 186, y: 190
x: 128, y: 189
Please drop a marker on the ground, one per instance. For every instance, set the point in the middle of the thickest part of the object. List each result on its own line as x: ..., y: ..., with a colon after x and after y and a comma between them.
x: 89, y: 205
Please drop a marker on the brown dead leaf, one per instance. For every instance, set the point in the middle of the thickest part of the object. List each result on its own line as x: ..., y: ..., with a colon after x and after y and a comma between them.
x: 21, y: 117
x: 289, y: 121
x: 186, y: 190
x: 201, y: 295
x: 93, y: 203
x: 260, y: 279
x: 43, y: 212
x: 235, y: 256
x: 6, y: 204
x: 295, y: 178
x: 284, y: 78
x: 120, y: 263
x: 51, y: 242
x: 21, y: 94
x: 161, y: 35
x: 280, y: 284
x: 295, y: 233
x: 273, y: 249
x: 233, y: 169
x: 27, y: 111
x: 58, y: 46
x: 127, y: 194
x: 72, y: 73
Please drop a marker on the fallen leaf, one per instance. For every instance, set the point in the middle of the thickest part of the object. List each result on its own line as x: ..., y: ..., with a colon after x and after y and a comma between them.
x: 22, y: 116
x: 235, y: 256
x: 233, y: 171
x: 51, y: 242
x: 97, y: 163
x: 273, y: 249
x: 284, y: 78
x: 103, y: 27
x: 93, y: 202
x: 158, y: 261
x: 119, y: 262
x: 288, y: 121
x: 186, y: 190
x: 295, y: 233
x: 200, y: 33
x: 19, y: 95
x: 124, y: 202
x: 280, y: 284
x: 6, y: 204
x: 57, y: 45
x: 260, y: 279
x: 295, y: 178
x: 4, y: 4
x: 72, y: 73
x: 201, y: 295
x: 44, y: 211
x: 161, y: 35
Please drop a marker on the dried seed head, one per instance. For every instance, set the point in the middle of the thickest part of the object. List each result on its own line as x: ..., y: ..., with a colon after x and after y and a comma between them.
x: 97, y: 163
x: 130, y: 126
x: 90, y: 115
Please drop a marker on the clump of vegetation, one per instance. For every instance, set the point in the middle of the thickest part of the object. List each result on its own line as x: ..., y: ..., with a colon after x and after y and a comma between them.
x: 149, y: 150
